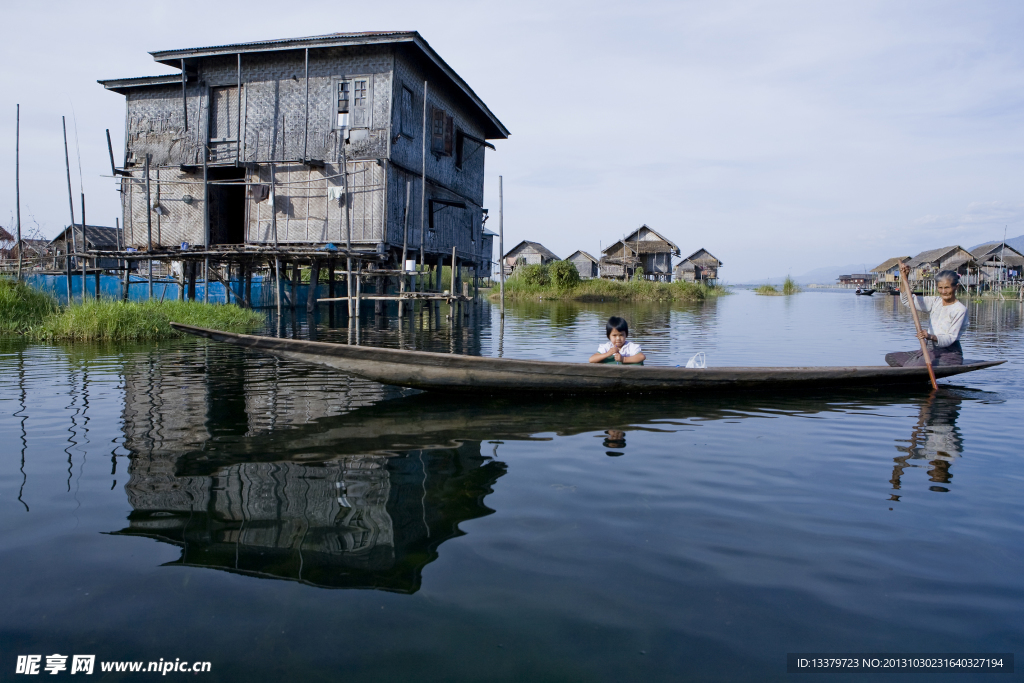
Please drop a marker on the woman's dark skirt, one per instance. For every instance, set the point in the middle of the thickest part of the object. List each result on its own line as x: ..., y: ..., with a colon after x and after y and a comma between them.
x: 941, y: 355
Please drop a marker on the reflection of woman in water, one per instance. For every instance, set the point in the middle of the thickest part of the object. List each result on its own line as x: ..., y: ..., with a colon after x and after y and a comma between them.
x: 936, y: 439
x: 947, y: 319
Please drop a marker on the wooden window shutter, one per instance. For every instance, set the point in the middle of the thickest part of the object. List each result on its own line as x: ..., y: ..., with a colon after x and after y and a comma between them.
x: 408, y: 117
x: 360, y: 108
x: 437, y: 130
x: 449, y: 135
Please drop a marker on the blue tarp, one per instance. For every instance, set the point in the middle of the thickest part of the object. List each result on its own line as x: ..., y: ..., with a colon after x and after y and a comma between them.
x: 138, y: 289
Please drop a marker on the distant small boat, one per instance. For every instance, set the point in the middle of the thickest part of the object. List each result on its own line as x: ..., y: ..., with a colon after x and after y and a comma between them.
x: 864, y: 292
x: 484, y: 375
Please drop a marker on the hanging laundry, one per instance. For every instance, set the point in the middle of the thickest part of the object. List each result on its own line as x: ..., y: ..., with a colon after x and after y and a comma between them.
x: 259, y: 193
x: 336, y: 192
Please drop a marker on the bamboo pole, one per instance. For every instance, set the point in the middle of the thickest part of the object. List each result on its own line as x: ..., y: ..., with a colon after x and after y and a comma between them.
x: 501, y: 243
x: 83, y: 246
x: 423, y: 182
x: 17, y: 182
x: 71, y: 206
x: 149, y: 226
x: 405, y: 245
x: 917, y: 324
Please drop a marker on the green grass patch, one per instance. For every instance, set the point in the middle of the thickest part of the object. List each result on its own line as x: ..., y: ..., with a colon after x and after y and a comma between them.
x: 22, y: 307
x: 139, y: 320
x: 36, y: 315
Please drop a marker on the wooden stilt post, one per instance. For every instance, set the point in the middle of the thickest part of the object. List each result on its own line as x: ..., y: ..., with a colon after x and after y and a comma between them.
x: 314, y: 282
x: 330, y: 291
x: 294, y: 284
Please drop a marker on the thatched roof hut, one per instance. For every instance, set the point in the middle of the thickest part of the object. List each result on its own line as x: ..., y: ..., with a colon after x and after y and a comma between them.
x: 700, y: 266
x: 644, y: 249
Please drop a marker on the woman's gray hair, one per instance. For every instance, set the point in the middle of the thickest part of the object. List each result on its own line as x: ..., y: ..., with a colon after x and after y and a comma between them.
x: 949, y: 276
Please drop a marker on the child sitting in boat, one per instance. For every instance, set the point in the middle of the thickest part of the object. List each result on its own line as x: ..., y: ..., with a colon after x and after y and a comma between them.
x: 618, y: 350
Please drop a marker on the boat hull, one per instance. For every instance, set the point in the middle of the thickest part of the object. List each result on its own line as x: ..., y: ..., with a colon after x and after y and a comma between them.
x: 479, y: 374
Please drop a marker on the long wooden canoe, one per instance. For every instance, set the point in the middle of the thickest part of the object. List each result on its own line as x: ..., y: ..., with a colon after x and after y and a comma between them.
x: 480, y: 374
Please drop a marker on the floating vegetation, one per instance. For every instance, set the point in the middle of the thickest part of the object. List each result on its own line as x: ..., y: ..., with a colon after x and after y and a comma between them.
x: 788, y: 287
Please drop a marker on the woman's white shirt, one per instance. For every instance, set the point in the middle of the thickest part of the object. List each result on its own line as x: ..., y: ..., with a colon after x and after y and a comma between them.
x: 628, y: 349
x: 945, y: 322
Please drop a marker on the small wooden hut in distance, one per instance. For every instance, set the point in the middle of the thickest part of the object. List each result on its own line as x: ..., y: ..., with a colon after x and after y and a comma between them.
x: 97, y: 237
x: 586, y: 265
x: 888, y: 272
x: 700, y: 266
x: 643, y: 249
x: 527, y: 253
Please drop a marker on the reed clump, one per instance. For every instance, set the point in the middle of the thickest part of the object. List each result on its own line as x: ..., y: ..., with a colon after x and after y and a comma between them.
x: 558, y: 281
x: 22, y: 307
x: 139, y: 320
x: 789, y: 286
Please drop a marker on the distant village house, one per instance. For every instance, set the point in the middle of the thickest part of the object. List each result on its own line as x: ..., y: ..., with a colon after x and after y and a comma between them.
x: 527, y: 253
x: 643, y: 250
x: 700, y: 266
x: 586, y: 265
x: 888, y: 272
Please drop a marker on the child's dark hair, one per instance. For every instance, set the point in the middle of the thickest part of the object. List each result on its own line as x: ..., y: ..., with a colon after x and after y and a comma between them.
x: 616, y: 323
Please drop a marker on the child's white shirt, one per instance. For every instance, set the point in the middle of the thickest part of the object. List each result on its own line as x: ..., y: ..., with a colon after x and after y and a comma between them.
x: 628, y: 349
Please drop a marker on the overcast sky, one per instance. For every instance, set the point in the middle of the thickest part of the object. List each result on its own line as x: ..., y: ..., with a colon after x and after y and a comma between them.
x: 781, y: 136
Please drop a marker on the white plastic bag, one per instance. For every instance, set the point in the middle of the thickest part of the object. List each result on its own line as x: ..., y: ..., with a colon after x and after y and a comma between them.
x: 699, y: 360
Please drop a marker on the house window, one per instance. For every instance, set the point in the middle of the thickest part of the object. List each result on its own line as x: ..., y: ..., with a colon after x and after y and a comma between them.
x: 436, y: 130
x: 408, y: 123
x: 353, y: 97
x: 343, y: 103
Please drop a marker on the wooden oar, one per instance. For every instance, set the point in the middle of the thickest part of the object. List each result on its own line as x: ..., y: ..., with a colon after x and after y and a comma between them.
x: 917, y: 324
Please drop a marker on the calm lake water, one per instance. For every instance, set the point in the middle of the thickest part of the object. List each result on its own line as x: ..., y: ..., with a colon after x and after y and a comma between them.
x: 284, y: 522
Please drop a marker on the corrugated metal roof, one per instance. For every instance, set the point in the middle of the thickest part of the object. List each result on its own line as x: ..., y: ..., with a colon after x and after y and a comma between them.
x: 122, y: 84
x: 537, y: 246
x: 496, y: 130
x: 581, y: 253
x: 96, y: 236
x: 932, y: 255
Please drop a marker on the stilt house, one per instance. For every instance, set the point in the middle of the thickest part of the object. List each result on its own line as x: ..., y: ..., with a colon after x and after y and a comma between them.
x: 998, y: 262
x: 888, y: 272
x: 586, y: 265
x: 955, y: 258
x: 643, y: 249
x: 527, y: 253
x: 306, y: 142
x: 700, y: 266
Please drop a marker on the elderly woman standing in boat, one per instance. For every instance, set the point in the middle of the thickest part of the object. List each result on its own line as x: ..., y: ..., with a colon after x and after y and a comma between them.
x: 947, y: 319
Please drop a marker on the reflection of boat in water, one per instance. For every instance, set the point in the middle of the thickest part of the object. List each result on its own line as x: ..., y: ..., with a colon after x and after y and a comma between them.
x: 480, y: 374
x: 864, y: 292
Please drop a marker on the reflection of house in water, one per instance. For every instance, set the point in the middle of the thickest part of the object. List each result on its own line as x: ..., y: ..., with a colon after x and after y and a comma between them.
x: 935, y: 442
x: 368, y: 521
x: 229, y: 462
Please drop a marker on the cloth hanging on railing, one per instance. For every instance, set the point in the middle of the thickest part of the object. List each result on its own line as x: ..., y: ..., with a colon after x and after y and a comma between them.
x: 336, y: 192
x: 259, y: 193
